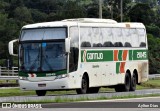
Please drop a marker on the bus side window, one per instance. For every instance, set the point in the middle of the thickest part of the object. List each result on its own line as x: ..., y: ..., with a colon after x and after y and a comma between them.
x: 99, y: 45
x: 108, y: 44
x: 85, y: 44
x: 94, y: 45
x: 118, y: 44
x: 142, y: 44
x: 127, y: 44
x: 74, y: 49
x: 73, y: 63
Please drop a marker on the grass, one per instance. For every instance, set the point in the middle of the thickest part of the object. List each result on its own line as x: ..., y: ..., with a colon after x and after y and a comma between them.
x: 64, y: 100
x: 155, y: 83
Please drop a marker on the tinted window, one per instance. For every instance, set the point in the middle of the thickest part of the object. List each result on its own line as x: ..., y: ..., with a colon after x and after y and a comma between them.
x: 43, y: 34
x: 74, y: 50
x: 86, y: 36
x: 110, y: 37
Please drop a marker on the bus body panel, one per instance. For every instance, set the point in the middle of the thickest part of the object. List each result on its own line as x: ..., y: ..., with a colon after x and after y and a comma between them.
x: 72, y: 81
x: 108, y: 71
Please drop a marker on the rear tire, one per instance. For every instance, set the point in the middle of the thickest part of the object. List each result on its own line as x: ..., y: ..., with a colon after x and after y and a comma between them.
x: 84, y: 86
x: 124, y: 87
x: 41, y: 92
x: 133, y: 82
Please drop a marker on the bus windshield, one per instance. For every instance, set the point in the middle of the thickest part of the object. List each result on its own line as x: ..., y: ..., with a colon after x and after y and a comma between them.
x: 44, y: 56
x: 43, y: 34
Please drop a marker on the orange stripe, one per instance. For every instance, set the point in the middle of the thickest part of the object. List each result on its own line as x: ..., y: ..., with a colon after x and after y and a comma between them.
x: 125, y: 52
x: 122, y: 65
x: 115, y: 55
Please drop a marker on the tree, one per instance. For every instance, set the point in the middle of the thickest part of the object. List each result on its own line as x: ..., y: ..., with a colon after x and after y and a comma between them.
x: 73, y: 10
x: 92, y: 10
x: 23, y: 14
x: 8, y: 31
x: 154, y: 49
x: 153, y: 29
x: 115, y: 8
x: 152, y: 3
x: 142, y: 13
x: 38, y: 16
x: 3, y: 6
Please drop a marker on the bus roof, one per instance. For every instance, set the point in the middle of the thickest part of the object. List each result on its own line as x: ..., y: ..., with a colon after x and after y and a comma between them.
x: 85, y: 22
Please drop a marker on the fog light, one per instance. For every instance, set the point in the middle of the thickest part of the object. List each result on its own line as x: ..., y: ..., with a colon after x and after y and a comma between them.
x: 61, y: 76
x: 23, y: 78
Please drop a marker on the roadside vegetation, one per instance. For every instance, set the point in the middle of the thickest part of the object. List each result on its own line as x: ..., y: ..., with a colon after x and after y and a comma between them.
x: 16, y: 13
x: 62, y: 100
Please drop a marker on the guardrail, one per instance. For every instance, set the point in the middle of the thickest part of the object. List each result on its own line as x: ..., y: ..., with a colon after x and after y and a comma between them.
x: 8, y: 74
x: 154, y: 76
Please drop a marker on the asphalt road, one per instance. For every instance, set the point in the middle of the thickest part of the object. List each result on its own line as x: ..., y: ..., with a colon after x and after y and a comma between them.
x: 138, y: 104
x: 152, y: 102
x: 109, y: 105
x: 71, y: 96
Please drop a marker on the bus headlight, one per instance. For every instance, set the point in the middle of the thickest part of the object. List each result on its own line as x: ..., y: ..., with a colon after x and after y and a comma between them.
x: 61, y: 76
x: 23, y: 78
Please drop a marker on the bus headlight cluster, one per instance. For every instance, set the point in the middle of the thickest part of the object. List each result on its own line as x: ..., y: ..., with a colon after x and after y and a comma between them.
x: 61, y: 76
x: 23, y: 78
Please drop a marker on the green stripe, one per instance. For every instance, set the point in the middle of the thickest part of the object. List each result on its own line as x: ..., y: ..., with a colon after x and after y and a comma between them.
x: 120, y: 55
x: 97, y: 56
x: 107, y: 55
x: 130, y: 54
x: 140, y: 54
x: 117, y: 67
x: 82, y: 52
x: 41, y: 74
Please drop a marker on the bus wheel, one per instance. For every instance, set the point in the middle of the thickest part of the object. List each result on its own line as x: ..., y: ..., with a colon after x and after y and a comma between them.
x: 41, y: 92
x: 133, y: 83
x: 126, y: 86
x: 84, y: 86
x: 94, y: 90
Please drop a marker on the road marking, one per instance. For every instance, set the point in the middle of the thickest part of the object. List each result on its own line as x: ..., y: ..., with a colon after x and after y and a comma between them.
x: 113, y: 100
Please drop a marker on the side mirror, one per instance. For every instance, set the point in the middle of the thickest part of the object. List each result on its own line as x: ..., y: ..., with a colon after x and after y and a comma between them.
x: 10, y: 47
x: 67, y: 45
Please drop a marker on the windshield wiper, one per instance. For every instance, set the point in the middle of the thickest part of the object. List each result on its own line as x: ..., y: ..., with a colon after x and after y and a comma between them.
x: 50, y: 67
x: 34, y: 62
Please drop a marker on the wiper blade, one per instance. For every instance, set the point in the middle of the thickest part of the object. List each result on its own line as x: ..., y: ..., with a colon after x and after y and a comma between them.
x: 34, y: 62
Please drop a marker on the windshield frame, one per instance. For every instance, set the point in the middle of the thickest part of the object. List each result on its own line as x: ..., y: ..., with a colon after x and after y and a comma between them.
x: 21, y: 32
x: 41, y: 41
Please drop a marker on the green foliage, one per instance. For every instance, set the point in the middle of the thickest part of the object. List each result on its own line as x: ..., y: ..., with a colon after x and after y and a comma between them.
x: 154, y: 55
x: 142, y: 13
x: 16, y: 13
x: 116, y: 8
x: 38, y: 16
x: 153, y: 29
x: 22, y: 14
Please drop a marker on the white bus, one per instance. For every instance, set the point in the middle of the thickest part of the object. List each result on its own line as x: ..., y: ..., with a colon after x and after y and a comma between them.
x: 83, y: 54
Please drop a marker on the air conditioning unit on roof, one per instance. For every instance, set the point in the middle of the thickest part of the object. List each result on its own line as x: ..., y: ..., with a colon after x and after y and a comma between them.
x: 91, y: 20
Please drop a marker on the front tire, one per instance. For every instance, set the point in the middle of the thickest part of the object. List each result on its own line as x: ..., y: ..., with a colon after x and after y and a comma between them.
x: 84, y: 86
x: 41, y: 92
